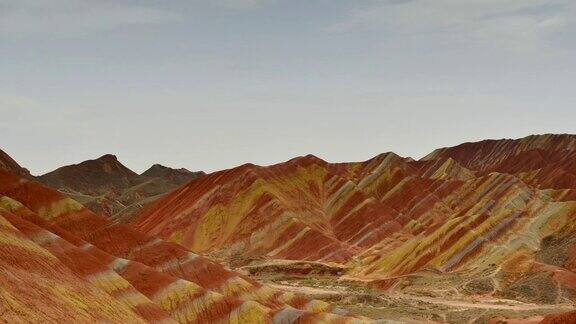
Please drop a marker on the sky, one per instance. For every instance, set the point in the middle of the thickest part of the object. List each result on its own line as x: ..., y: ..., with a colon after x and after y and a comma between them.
x: 209, y: 85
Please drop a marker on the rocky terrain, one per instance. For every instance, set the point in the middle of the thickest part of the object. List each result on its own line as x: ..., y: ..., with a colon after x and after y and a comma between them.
x: 61, y: 263
x: 107, y: 187
x: 494, y: 219
x: 478, y: 233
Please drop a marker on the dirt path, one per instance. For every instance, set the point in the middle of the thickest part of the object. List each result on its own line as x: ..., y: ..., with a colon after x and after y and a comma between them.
x: 305, y: 290
x: 495, y: 304
x: 492, y: 304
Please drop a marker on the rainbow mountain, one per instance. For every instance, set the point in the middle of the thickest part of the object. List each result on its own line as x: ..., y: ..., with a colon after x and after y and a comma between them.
x: 495, y: 217
x: 61, y: 263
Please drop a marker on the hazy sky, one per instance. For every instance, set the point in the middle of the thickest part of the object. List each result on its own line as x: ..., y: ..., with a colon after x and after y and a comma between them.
x: 210, y: 84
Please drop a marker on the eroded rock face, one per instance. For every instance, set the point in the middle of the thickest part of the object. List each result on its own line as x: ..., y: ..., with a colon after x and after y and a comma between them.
x: 61, y: 262
x: 478, y: 208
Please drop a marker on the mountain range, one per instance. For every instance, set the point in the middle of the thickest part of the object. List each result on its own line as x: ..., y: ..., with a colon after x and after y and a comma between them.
x: 62, y: 263
x: 107, y: 187
x: 494, y: 219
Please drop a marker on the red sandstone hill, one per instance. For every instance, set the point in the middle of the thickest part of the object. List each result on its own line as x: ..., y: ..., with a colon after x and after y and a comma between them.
x: 60, y: 262
x: 8, y: 164
x: 490, y: 219
x: 486, y: 155
x: 499, y: 216
x: 108, y: 187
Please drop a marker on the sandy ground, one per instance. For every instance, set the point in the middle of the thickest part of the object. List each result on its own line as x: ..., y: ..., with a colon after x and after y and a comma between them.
x: 490, y: 304
x: 407, y: 308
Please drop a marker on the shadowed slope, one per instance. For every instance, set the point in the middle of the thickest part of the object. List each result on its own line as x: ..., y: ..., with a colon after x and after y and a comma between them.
x: 92, y: 177
x: 175, y: 176
x: 107, y: 187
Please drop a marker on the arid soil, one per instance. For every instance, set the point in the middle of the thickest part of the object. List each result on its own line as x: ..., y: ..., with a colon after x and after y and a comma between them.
x: 410, y: 307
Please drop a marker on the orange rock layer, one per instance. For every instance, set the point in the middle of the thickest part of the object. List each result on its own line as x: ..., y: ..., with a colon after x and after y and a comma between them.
x: 479, y: 207
x: 62, y: 263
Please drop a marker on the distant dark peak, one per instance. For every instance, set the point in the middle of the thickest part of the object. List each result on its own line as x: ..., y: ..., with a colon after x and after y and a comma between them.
x: 108, y: 157
x: 156, y: 168
x: 107, y: 165
x: 108, y: 162
x: 159, y: 170
x: 312, y: 157
x: 160, y: 167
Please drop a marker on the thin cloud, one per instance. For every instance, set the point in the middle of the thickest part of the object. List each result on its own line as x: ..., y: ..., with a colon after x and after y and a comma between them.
x: 472, y: 19
x: 488, y: 30
x: 72, y: 17
x: 11, y: 102
x: 240, y: 4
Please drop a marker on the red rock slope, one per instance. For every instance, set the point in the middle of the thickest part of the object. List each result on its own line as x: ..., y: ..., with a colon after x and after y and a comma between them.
x: 8, y: 164
x: 495, y: 209
x: 304, y: 209
x: 62, y: 263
